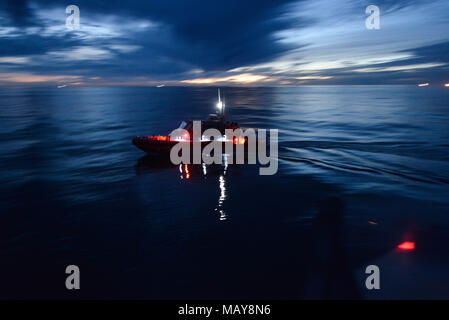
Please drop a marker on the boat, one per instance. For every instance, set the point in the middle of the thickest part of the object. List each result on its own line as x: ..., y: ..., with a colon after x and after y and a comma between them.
x: 160, y: 145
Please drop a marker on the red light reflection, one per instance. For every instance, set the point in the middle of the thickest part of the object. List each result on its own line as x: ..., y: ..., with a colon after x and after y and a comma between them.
x: 186, y: 169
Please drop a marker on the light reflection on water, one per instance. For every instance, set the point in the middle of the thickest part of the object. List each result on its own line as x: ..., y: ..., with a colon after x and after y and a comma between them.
x: 187, y: 170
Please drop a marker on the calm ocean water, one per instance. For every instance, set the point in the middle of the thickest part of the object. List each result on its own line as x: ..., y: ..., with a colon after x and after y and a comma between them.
x: 74, y: 190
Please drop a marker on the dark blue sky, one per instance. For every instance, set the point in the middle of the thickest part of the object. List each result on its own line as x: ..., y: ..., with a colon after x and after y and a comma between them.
x: 224, y: 42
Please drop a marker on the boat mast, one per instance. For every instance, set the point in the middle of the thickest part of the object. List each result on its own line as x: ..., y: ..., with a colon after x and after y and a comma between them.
x: 220, y: 106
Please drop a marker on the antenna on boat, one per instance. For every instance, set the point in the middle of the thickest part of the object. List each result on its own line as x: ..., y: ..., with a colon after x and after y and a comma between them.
x: 220, y: 105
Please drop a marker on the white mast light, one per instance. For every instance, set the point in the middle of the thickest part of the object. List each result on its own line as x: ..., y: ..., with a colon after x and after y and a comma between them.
x: 219, y: 103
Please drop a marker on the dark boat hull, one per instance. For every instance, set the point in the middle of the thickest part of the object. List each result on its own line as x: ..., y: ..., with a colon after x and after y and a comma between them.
x: 163, y: 148
x: 153, y: 147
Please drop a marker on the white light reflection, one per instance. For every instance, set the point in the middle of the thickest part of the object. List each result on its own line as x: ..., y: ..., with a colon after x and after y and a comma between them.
x: 185, y: 175
x: 225, y: 162
x: 222, y: 198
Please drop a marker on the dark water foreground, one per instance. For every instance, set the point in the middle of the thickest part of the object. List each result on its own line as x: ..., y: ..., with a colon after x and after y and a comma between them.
x: 361, y: 170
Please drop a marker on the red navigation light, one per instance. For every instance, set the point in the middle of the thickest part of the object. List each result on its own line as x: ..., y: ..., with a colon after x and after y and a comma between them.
x: 407, y: 245
x: 158, y: 138
x: 239, y: 140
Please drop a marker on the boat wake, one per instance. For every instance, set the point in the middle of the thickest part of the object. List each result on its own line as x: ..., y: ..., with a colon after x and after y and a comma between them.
x: 371, y: 164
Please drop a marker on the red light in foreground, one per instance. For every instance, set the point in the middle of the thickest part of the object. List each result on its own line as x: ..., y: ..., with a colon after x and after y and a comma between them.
x: 407, y: 245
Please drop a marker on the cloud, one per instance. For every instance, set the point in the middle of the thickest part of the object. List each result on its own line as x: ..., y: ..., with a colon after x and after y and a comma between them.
x: 33, y: 78
x: 314, y: 78
x: 214, y: 35
x: 81, y: 54
x: 245, y: 78
x: 124, y: 48
x: 227, y: 42
x: 15, y: 60
x: 401, y: 68
x: 335, y: 41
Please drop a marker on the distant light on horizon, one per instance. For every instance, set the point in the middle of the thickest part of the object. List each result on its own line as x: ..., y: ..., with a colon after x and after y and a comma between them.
x: 423, y: 84
x: 446, y: 85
